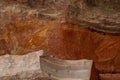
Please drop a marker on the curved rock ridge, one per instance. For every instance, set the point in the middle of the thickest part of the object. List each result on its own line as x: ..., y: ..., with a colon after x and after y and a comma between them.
x: 99, y: 15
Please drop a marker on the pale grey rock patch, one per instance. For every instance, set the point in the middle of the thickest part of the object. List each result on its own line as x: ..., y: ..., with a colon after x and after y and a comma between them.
x: 16, y: 67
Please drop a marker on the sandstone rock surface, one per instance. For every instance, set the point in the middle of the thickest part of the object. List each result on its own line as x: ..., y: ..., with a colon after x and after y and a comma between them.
x: 19, y: 20
x: 26, y: 67
x: 68, y: 41
x: 23, y: 37
x: 100, y: 15
x: 110, y: 76
x: 24, y: 26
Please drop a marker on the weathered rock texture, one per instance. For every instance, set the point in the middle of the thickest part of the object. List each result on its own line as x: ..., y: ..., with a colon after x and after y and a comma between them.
x: 110, y: 76
x: 20, y: 20
x: 68, y: 42
x: 26, y: 67
x: 68, y: 69
x: 21, y: 27
x: 100, y: 15
x: 23, y: 37
x: 23, y: 31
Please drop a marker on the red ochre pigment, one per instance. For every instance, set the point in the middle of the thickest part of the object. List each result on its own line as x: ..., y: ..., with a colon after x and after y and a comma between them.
x: 68, y: 41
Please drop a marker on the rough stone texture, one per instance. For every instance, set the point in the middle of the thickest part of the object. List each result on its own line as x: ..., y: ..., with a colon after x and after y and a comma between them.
x: 94, y: 73
x: 24, y: 36
x: 45, y: 9
x: 68, y: 41
x: 17, y: 15
x: 23, y: 31
x: 16, y: 64
x: 110, y: 76
x: 100, y: 15
x: 21, y: 27
x: 26, y: 67
x: 31, y: 75
x: 68, y: 69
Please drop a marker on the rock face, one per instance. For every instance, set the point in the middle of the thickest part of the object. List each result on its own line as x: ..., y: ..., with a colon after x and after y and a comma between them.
x: 68, y: 42
x: 21, y: 20
x: 110, y: 76
x: 68, y: 69
x: 23, y: 24
x: 77, y: 29
x: 100, y: 15
x: 23, y: 37
x: 20, y: 67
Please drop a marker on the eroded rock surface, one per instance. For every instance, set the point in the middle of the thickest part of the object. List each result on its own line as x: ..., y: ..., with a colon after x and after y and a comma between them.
x: 23, y: 37
x: 24, y: 25
x: 100, y: 15
x: 68, y: 41
x: 26, y: 67
x: 21, y: 20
